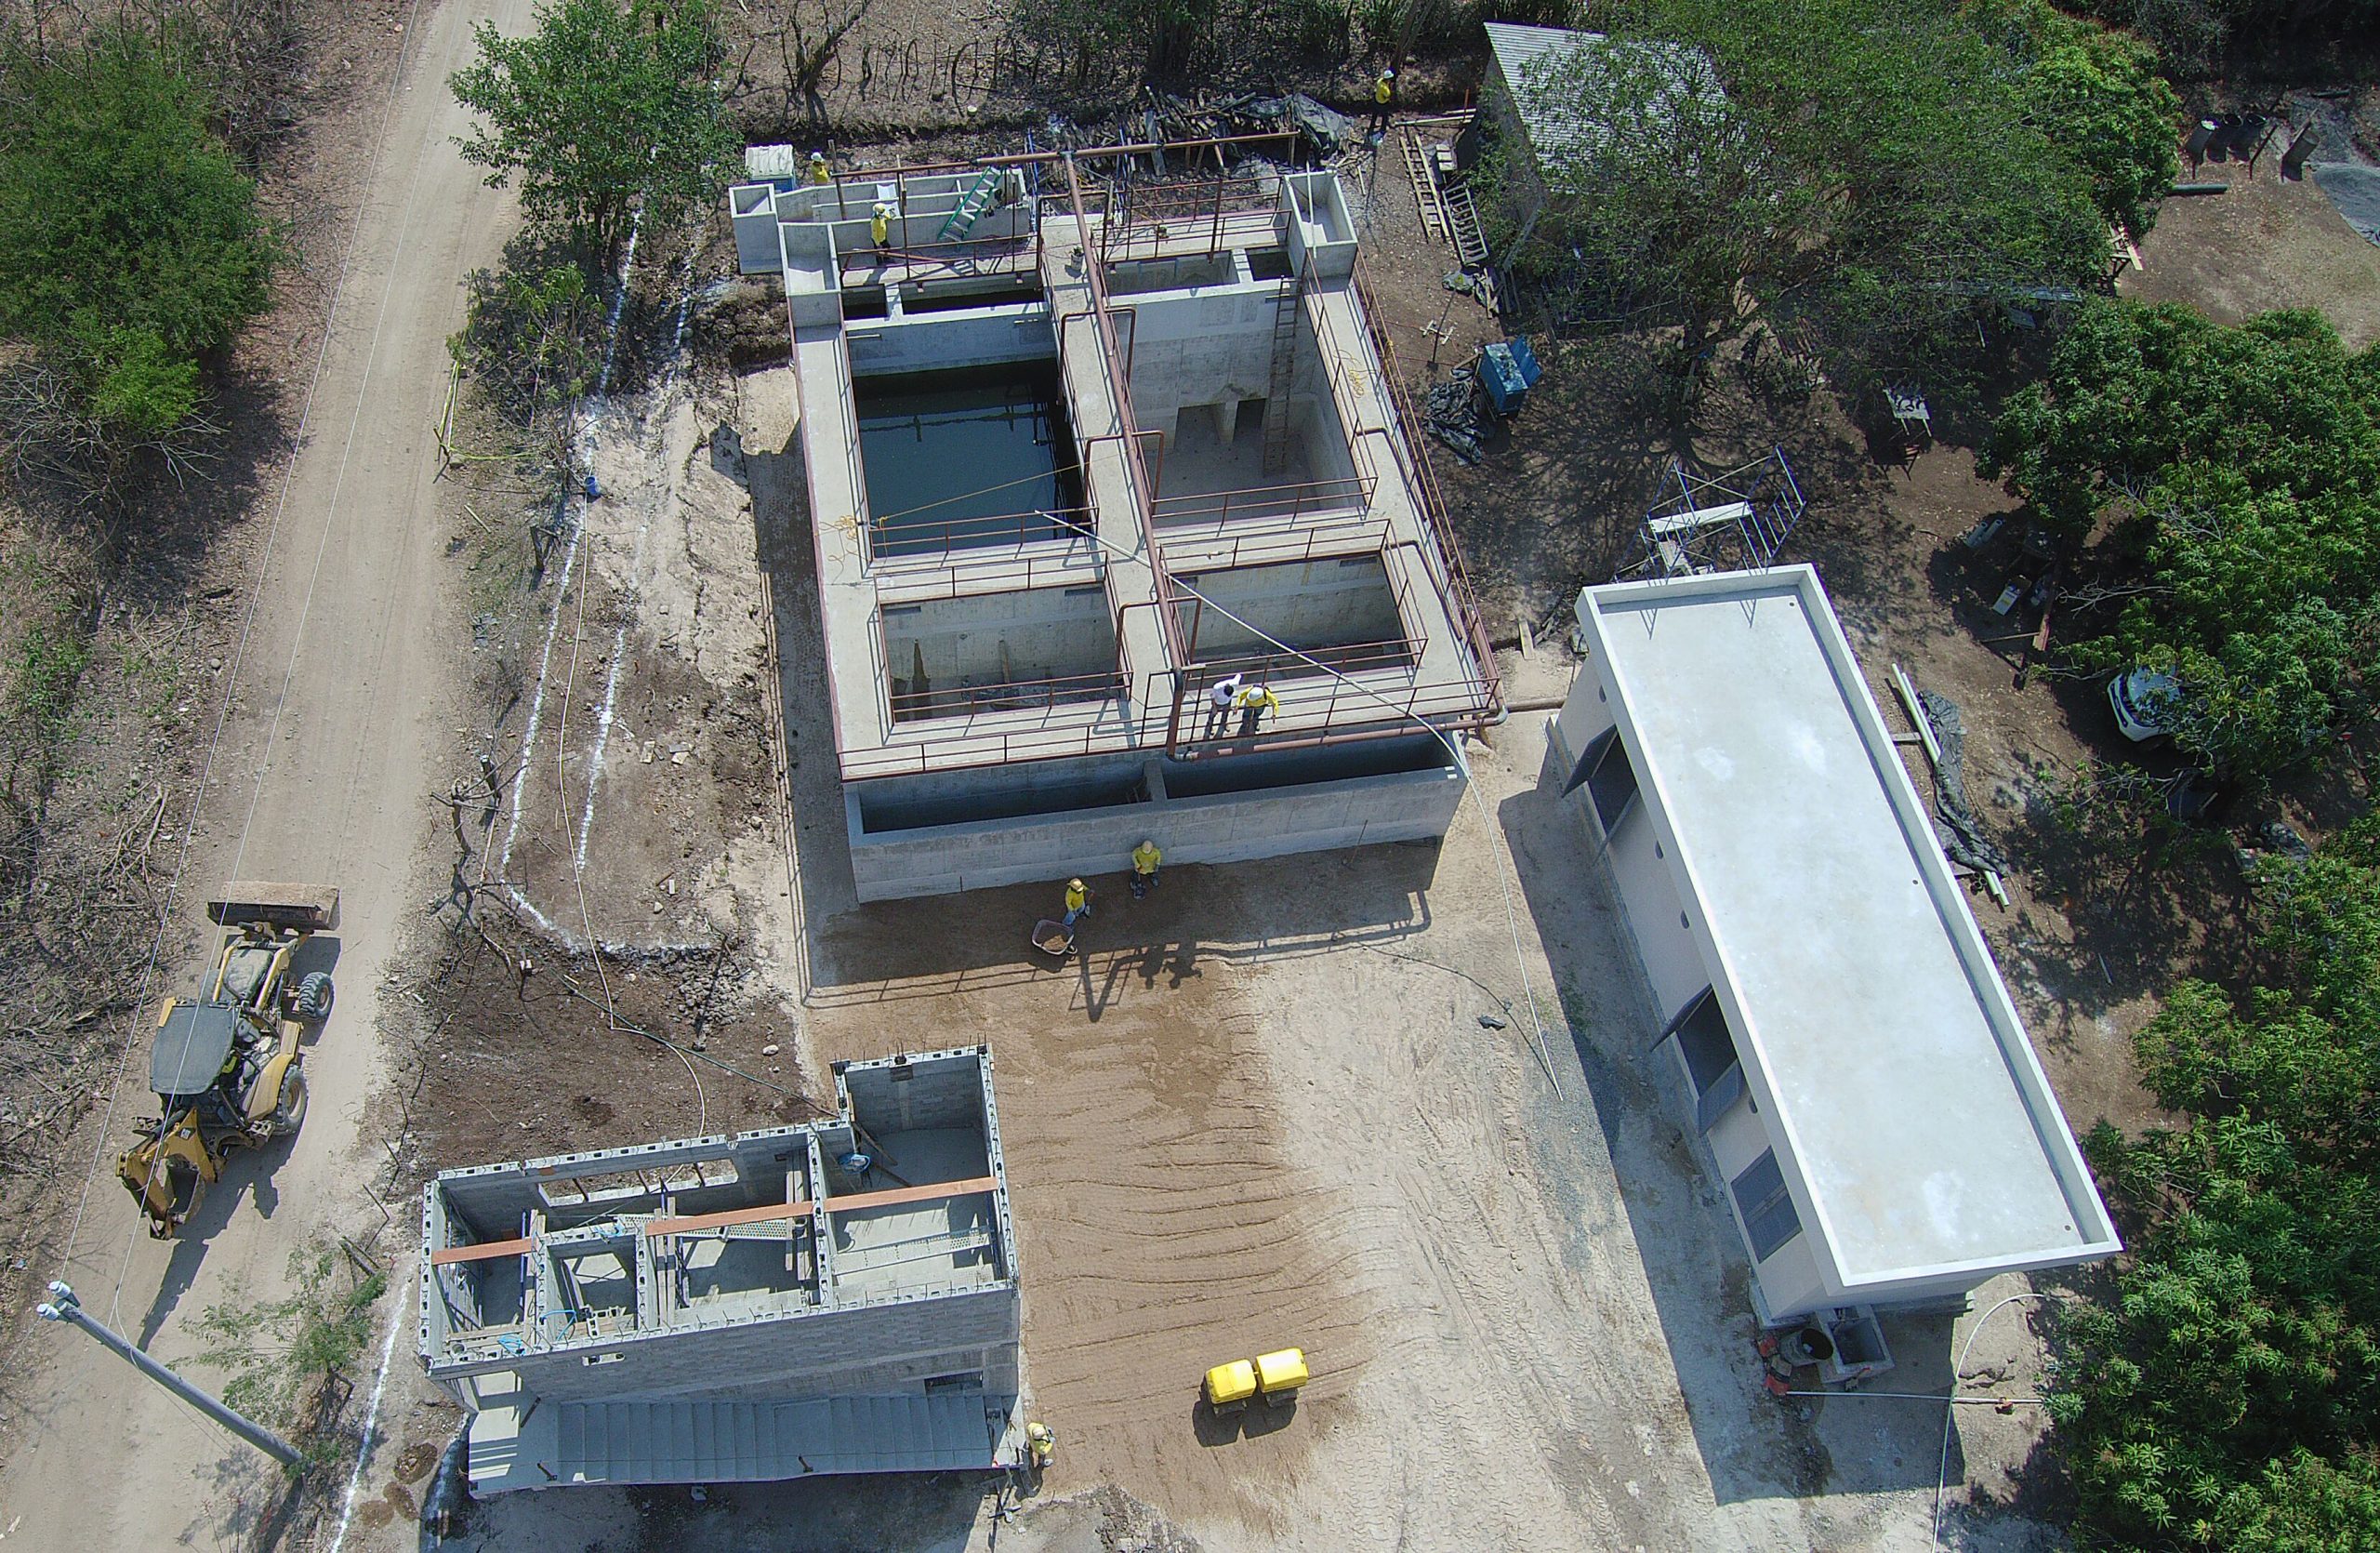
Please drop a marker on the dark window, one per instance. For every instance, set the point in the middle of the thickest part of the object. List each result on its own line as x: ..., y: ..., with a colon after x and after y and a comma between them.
x: 1709, y: 1048
x: 1612, y: 785
x: 1768, y: 1208
x: 972, y: 1381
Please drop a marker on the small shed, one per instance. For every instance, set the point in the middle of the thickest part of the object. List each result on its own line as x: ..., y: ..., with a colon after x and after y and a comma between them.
x: 1532, y: 104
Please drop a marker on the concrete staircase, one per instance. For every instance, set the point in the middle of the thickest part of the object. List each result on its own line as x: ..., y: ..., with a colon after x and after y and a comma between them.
x: 710, y: 1441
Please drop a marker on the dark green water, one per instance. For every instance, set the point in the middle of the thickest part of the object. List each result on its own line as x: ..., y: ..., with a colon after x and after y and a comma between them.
x: 968, y: 458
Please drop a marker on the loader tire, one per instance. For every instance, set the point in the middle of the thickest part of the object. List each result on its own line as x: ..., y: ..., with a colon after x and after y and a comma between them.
x: 289, y: 1112
x: 314, y: 997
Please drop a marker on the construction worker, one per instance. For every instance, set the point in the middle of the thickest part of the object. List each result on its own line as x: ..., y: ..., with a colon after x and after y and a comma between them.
x: 1219, y: 698
x: 1042, y: 1443
x: 817, y: 171
x: 1077, y: 900
x: 880, y: 225
x: 1146, y: 858
x: 1254, y: 702
x: 1383, y: 97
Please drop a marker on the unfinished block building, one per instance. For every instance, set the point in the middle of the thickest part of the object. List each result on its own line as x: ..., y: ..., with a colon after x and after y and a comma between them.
x: 1076, y: 452
x: 838, y: 1296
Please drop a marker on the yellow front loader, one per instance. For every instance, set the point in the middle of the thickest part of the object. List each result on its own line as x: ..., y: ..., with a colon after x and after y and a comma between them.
x: 228, y: 1068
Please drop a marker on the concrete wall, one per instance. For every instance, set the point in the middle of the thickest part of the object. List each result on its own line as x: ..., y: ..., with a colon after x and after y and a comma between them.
x: 1210, y: 348
x: 1309, y: 604
x: 848, y: 1350
x: 998, y: 332
x: 988, y: 638
x: 1220, y: 827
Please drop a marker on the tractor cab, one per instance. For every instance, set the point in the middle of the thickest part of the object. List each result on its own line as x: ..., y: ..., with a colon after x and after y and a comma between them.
x: 208, y: 1057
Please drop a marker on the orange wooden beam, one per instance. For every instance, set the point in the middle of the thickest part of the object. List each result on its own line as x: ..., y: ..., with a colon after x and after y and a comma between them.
x: 911, y: 1194
x: 483, y: 1252
x: 760, y: 1214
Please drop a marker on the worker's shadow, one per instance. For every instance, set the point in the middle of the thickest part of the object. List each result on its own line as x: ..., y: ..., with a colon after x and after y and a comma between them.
x: 1252, y: 1421
x: 1176, y: 963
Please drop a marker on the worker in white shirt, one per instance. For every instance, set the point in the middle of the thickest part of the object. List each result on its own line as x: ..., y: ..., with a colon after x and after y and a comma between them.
x: 1221, y: 698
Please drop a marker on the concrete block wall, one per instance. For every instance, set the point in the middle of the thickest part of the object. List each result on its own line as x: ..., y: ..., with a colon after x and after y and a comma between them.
x: 833, y: 1351
x: 1209, y: 348
x: 1223, y: 828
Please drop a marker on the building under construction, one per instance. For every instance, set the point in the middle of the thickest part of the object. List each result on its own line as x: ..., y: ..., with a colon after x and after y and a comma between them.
x: 838, y: 1296
x: 1081, y: 443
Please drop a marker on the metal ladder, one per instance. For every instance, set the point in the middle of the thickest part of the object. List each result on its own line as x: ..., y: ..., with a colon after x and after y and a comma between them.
x: 1286, y: 311
x: 970, y: 208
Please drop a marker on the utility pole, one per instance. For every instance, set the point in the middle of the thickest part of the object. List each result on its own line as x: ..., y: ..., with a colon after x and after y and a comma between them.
x: 62, y: 1305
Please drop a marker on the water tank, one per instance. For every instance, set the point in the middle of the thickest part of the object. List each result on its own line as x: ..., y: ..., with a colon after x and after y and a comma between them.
x: 2195, y: 147
x: 770, y: 163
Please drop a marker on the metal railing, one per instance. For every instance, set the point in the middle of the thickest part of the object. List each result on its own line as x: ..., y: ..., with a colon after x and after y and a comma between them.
x: 1252, y: 541
x: 1455, y: 583
x: 892, y: 540
x: 1293, y: 501
x: 972, y: 698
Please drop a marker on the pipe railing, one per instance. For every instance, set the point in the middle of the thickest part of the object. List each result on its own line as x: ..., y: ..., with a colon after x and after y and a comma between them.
x: 897, y: 539
x: 1293, y: 500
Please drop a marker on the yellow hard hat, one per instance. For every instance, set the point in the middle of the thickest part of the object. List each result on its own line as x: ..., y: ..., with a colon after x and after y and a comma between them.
x: 1073, y: 884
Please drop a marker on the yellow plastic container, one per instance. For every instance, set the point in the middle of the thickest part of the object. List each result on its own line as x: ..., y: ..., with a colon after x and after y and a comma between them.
x: 1283, y: 1370
x: 1235, y: 1382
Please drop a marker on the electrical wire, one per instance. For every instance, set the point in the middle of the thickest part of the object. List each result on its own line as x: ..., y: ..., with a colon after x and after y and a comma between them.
x: 1951, y: 1413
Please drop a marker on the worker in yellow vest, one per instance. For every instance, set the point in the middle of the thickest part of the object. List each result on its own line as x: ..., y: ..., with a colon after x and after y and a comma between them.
x: 1254, y: 702
x: 1383, y: 97
x: 880, y: 225
x: 1146, y: 858
x: 819, y: 173
x: 1077, y: 900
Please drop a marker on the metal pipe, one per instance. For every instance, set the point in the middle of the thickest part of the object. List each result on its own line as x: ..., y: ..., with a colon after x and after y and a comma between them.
x: 1919, y: 1397
x: 62, y: 1305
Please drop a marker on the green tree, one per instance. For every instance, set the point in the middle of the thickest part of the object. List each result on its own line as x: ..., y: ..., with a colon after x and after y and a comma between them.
x: 2098, y: 94
x: 1881, y: 167
x: 2226, y: 483
x: 130, y: 242
x: 2228, y: 1395
x: 601, y: 109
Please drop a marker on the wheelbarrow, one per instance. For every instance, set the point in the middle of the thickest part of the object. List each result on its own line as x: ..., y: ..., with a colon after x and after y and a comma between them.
x: 1054, y: 939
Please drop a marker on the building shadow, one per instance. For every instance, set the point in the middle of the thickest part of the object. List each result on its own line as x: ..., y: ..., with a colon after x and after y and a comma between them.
x: 924, y: 1511
x: 1753, y: 1446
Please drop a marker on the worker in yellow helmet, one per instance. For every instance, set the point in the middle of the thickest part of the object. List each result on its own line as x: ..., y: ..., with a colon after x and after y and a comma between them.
x: 1077, y: 900
x: 1146, y: 858
x: 819, y: 173
x: 1383, y: 98
x: 1254, y: 702
x: 1042, y: 1442
x: 880, y: 225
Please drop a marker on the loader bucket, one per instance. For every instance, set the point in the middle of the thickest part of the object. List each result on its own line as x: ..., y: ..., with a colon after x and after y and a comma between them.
x: 259, y: 903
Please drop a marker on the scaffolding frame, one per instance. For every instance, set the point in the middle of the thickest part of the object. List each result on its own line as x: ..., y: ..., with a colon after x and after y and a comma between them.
x: 1736, y: 521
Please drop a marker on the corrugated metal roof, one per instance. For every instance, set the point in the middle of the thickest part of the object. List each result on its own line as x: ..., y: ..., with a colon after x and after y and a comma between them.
x: 1532, y: 61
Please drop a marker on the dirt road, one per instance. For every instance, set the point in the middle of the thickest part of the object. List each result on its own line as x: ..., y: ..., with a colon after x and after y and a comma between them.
x: 321, y: 774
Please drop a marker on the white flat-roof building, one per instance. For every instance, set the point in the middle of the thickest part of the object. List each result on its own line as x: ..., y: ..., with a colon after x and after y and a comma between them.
x: 1836, y: 1027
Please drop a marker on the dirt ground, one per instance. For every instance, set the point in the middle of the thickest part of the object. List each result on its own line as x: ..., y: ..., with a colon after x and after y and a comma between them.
x: 1259, y: 1108
x: 335, y: 687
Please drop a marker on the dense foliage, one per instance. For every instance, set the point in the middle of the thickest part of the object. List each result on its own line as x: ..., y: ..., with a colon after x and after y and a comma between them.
x: 1888, y: 168
x: 2194, y: 35
x: 601, y: 109
x: 2232, y: 478
x: 2228, y: 1395
x: 130, y: 242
